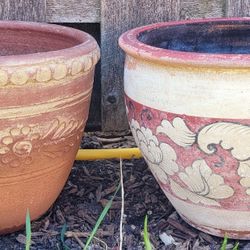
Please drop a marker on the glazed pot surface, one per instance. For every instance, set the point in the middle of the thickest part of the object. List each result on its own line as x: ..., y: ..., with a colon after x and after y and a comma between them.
x: 46, y: 79
x: 187, y: 94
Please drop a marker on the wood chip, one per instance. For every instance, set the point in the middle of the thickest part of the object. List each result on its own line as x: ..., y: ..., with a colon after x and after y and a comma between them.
x: 22, y: 239
x: 207, y: 237
x: 98, y: 193
x: 109, y: 190
x: 115, y: 204
x: 182, y: 228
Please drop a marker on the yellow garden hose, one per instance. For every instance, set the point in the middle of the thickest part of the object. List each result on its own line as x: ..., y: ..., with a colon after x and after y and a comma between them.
x: 98, y: 154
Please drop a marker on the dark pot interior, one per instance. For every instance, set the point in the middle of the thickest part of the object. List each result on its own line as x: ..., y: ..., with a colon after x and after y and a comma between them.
x: 19, y: 40
x: 219, y: 37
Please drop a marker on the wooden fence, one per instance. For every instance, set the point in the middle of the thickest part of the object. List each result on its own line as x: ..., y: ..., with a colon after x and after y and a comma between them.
x: 106, y: 20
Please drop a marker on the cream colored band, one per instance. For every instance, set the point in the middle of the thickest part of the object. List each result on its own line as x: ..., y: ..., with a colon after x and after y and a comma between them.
x: 213, y: 93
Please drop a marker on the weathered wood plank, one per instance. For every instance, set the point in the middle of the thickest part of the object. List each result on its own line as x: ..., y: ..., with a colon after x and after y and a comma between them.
x: 73, y: 11
x: 23, y: 10
x: 117, y: 17
x: 240, y: 8
x: 202, y: 8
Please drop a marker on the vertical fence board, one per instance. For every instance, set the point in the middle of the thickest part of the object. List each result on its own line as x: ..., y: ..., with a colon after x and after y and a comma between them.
x: 73, y: 11
x: 202, y: 8
x: 240, y: 8
x: 117, y: 17
x: 23, y: 10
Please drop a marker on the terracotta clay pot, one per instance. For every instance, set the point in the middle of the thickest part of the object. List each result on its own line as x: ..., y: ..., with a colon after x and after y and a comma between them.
x: 187, y: 87
x: 46, y: 77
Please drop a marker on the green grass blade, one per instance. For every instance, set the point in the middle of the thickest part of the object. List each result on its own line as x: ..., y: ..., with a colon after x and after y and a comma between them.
x: 100, y: 219
x: 236, y: 247
x: 64, y: 228
x: 145, y: 234
x: 28, y: 231
x: 224, y: 244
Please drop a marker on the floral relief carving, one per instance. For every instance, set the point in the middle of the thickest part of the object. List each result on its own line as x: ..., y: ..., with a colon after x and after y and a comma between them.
x: 160, y: 157
x: 17, y: 146
x: 201, y: 185
x: 197, y: 183
x: 232, y: 137
x: 244, y: 173
x: 178, y: 132
x: 61, y: 130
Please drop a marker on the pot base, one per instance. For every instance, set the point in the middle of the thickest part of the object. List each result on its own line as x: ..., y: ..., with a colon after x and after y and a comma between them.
x: 19, y: 227
x: 11, y: 230
x: 234, y: 224
x: 218, y: 232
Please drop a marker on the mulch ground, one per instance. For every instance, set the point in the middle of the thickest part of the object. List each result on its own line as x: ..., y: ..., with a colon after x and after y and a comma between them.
x: 89, y: 188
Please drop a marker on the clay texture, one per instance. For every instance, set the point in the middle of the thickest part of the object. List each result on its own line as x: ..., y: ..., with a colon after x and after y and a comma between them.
x: 189, y: 113
x: 46, y: 79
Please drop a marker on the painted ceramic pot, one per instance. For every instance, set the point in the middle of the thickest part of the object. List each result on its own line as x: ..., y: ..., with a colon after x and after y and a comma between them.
x: 187, y: 93
x: 46, y: 77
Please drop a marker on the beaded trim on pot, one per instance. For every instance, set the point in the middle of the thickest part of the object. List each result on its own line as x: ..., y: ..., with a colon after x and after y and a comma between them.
x: 52, y: 71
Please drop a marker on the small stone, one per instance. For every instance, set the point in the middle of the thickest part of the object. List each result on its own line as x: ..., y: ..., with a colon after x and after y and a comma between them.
x: 167, y: 239
x: 246, y: 247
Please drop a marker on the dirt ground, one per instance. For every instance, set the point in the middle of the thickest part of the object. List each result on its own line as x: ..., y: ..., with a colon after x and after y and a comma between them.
x: 90, y: 186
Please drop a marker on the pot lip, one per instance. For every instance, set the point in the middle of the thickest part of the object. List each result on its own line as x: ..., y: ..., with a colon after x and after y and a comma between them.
x: 86, y: 45
x: 129, y: 42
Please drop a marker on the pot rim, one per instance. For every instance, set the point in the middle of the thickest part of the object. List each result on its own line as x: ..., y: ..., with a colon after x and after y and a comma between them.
x: 129, y: 42
x: 86, y: 45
